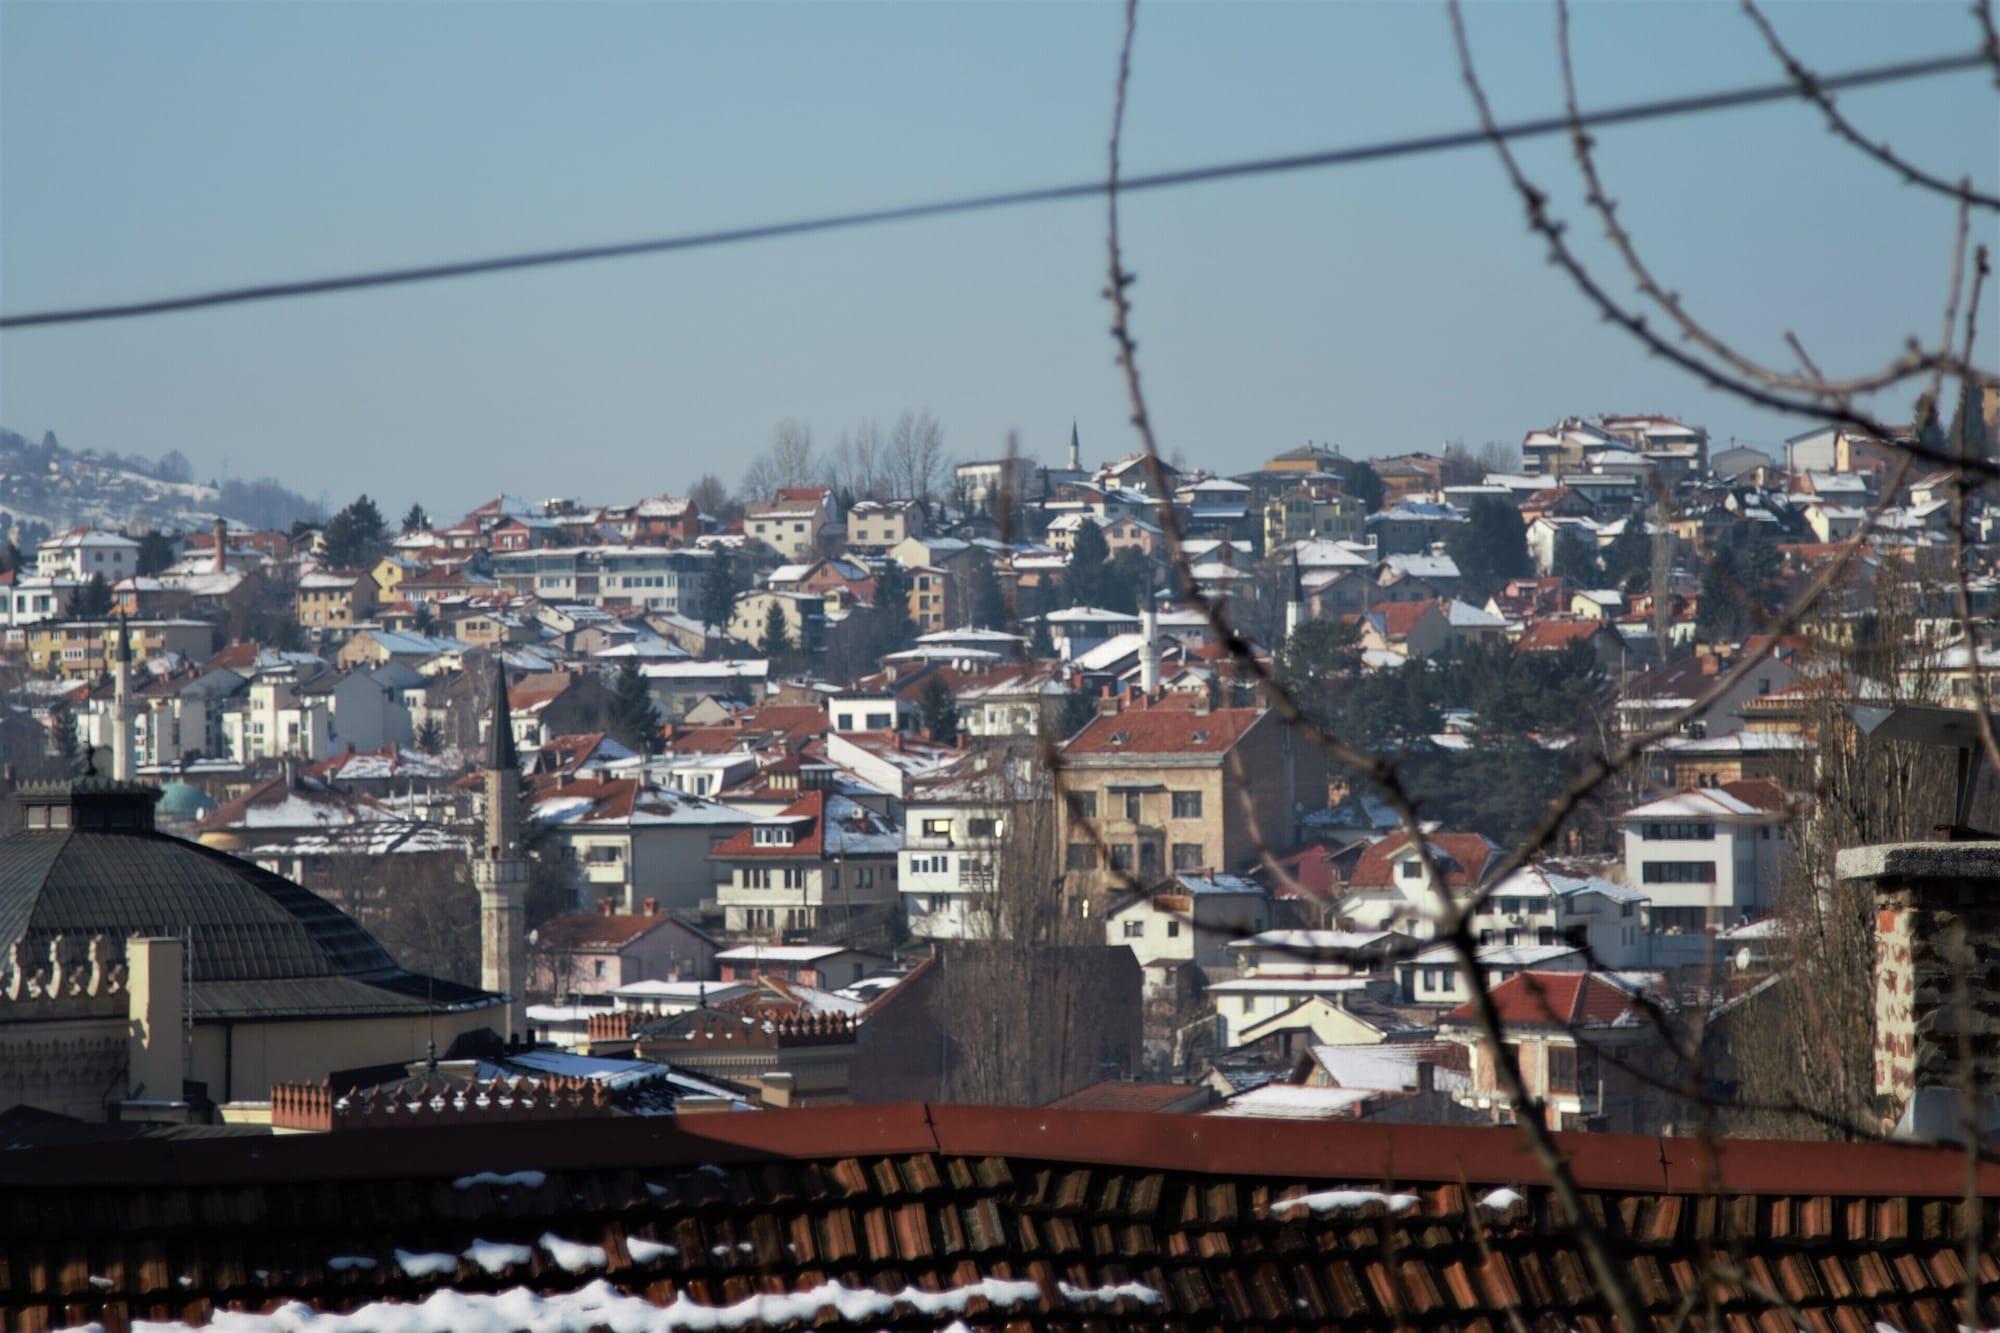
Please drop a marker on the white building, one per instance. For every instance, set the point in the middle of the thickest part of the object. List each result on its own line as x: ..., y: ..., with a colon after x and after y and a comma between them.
x: 1708, y: 857
x: 658, y: 578
x: 80, y: 553
x: 1196, y: 919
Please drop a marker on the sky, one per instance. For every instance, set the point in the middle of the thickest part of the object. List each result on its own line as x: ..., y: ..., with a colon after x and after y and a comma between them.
x: 156, y: 148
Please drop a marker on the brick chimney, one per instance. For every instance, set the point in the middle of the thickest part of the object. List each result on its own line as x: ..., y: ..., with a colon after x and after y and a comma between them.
x: 606, y: 907
x: 221, y: 545
x: 1937, y: 974
x: 649, y: 907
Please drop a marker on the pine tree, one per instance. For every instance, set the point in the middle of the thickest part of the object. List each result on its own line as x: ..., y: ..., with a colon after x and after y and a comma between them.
x: 69, y: 748
x: 718, y: 595
x: 1628, y: 561
x: 416, y: 520
x: 777, y: 639
x: 989, y: 602
x: 1577, y: 562
x: 430, y: 736
x: 356, y: 535
x: 156, y: 552
x: 1492, y: 545
x: 633, y: 711
x: 89, y: 601
x: 890, y: 628
x: 1086, y: 581
x: 1366, y: 487
x: 940, y: 711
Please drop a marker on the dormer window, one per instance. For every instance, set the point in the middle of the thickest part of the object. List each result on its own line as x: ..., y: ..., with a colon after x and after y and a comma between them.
x: 1413, y: 869
x: 772, y: 835
x: 1120, y: 737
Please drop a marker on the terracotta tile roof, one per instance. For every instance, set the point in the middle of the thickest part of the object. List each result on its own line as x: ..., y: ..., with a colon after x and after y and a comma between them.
x: 1760, y: 792
x: 1162, y: 730
x: 1399, y: 618
x: 1462, y: 857
x: 595, y: 930
x: 1020, y: 1219
x: 1560, y: 999
x: 1551, y: 635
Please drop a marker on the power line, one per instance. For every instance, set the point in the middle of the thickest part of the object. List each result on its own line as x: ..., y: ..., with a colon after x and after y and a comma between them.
x: 1335, y: 157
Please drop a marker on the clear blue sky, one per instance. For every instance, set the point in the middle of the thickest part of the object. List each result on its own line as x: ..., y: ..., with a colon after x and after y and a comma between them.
x: 154, y: 148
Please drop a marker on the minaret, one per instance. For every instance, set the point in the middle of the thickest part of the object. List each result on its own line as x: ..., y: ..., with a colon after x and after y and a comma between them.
x: 121, y: 705
x: 500, y: 872
x: 1149, y: 646
x: 1075, y: 450
x: 1295, y: 600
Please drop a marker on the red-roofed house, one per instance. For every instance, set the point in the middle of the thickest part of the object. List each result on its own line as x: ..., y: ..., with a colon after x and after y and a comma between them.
x: 824, y: 861
x: 1388, y: 890
x: 1412, y: 629
x: 1583, y: 1043
x: 1157, y: 789
x: 594, y: 953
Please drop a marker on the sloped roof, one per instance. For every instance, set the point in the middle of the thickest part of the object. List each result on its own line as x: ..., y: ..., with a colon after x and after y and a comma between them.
x: 916, y: 1215
x: 1568, y: 1000
x: 1461, y: 857
x: 1163, y: 730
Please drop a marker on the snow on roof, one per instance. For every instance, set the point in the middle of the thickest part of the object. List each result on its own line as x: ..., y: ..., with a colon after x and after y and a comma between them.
x: 1291, y: 1101
x: 1296, y: 985
x: 780, y: 953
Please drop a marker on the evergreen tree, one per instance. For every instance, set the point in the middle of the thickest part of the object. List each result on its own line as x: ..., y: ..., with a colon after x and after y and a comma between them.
x: 1128, y: 581
x: 718, y: 595
x: 633, y: 711
x: 416, y: 520
x: 1576, y: 561
x: 777, y: 639
x: 1628, y: 561
x: 1086, y: 582
x: 989, y: 602
x: 69, y: 748
x: 940, y: 711
x: 891, y: 628
x: 430, y: 736
x: 423, y: 619
x: 1320, y: 654
x: 356, y: 535
x: 1366, y: 487
x: 156, y: 553
x: 89, y: 601
x: 1492, y: 545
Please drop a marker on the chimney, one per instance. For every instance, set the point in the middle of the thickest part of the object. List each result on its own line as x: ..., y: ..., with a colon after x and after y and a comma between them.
x: 155, y: 1058
x: 1937, y: 919
x: 649, y: 907
x: 221, y: 544
x: 606, y: 907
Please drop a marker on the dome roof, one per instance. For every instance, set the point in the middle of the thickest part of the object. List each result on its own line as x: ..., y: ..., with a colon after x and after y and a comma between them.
x: 90, y: 863
x: 183, y: 802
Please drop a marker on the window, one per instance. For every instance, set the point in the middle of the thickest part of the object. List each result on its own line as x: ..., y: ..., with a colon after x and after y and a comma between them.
x: 1149, y: 858
x: 1082, y: 804
x: 1187, y: 856
x: 597, y: 969
x: 937, y: 828
x: 881, y: 722
x: 1671, y: 831
x: 1132, y: 806
x: 1082, y: 856
x: 1678, y: 872
x: 1121, y: 856
x: 1187, y: 805
x: 1411, y: 869
x: 1173, y: 930
x: 981, y: 828
x: 1135, y: 930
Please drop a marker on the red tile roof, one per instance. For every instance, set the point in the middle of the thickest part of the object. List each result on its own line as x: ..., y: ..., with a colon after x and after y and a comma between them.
x: 595, y: 930
x: 1093, y: 1219
x: 1463, y: 857
x: 1568, y: 1000
x: 1552, y: 635
x: 1399, y: 618
x: 1163, y: 729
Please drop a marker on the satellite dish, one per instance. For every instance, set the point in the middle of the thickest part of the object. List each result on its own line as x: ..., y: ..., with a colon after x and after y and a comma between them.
x: 1743, y: 959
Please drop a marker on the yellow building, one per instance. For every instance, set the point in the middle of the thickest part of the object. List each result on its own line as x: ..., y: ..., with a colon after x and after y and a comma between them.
x: 85, y: 649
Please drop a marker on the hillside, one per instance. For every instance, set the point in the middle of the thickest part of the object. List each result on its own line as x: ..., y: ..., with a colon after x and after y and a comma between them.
x: 46, y: 488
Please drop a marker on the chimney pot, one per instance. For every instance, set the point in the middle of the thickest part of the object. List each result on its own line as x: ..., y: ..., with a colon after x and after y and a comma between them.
x: 650, y: 907
x: 605, y: 907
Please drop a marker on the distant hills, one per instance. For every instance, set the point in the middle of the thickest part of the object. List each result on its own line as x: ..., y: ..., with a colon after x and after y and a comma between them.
x: 45, y: 488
